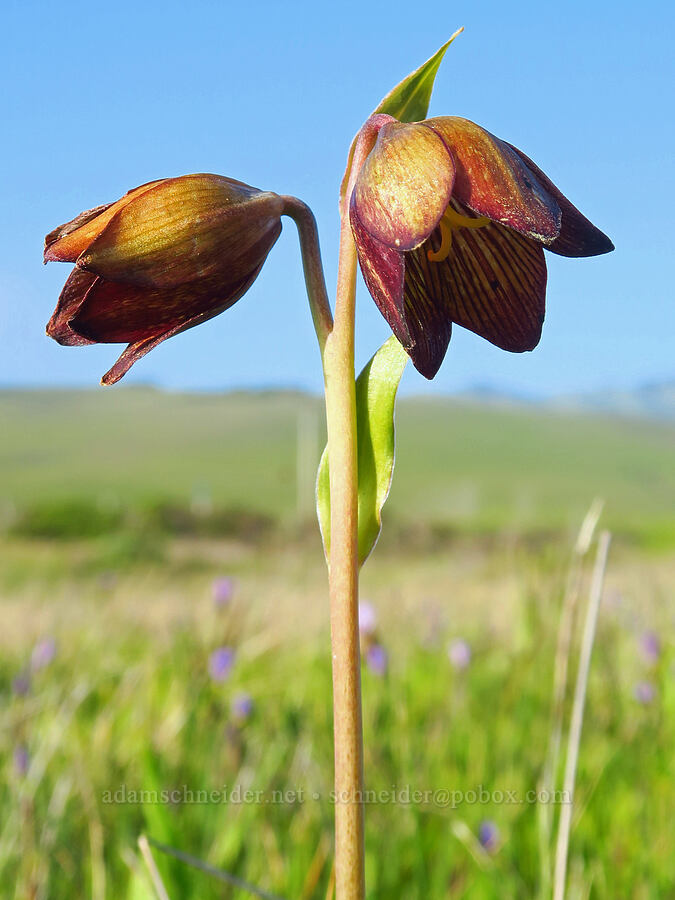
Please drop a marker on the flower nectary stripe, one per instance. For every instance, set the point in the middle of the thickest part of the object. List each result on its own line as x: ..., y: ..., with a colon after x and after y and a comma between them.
x: 493, y: 282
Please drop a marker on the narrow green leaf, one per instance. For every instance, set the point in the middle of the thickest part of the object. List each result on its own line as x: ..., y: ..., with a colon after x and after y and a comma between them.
x: 409, y: 100
x: 376, y: 389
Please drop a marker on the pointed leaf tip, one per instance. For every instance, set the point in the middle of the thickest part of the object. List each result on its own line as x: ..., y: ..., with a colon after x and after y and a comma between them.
x: 376, y: 389
x: 409, y: 100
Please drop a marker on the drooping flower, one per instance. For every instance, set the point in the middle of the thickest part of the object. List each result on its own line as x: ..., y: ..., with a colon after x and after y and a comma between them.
x: 459, y: 654
x: 450, y: 223
x: 221, y: 662
x: 168, y: 255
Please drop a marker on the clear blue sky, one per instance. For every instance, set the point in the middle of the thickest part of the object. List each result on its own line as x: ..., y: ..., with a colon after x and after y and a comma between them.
x: 101, y: 97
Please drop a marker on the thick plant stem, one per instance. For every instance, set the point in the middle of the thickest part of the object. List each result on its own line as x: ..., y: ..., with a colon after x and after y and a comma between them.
x: 343, y: 564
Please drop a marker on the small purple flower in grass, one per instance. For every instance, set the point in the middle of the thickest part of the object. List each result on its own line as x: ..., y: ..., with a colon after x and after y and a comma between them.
x: 21, y: 684
x: 488, y: 835
x: 459, y: 654
x: 377, y: 659
x: 222, y: 591
x: 221, y: 662
x: 21, y: 760
x: 242, y: 706
x: 650, y: 647
x: 367, y: 618
x: 644, y: 692
x: 43, y: 653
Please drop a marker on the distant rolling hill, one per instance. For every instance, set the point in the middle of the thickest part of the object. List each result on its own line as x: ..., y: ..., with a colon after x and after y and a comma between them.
x: 462, y: 463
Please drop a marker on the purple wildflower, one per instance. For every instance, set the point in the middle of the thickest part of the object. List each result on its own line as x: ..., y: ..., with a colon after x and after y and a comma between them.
x: 488, y: 835
x: 644, y: 692
x: 21, y: 759
x: 222, y: 591
x: 650, y: 647
x: 242, y: 706
x: 21, y: 684
x: 367, y: 618
x: 459, y: 654
x: 377, y: 659
x: 220, y: 663
x: 43, y: 653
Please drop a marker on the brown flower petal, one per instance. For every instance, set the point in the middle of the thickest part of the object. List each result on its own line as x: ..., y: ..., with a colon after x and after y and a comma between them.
x: 404, y: 186
x: 493, y: 282
x: 71, y: 298
x: 187, y: 228
x: 492, y: 180
x: 137, y: 349
x: 68, y: 241
x: 578, y: 236
x: 382, y: 269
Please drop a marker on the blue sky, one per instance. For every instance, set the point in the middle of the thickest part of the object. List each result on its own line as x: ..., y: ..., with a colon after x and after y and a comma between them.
x: 98, y: 99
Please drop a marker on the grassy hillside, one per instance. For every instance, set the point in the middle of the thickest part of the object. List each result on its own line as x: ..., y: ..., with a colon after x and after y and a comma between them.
x: 460, y: 466
x: 110, y: 702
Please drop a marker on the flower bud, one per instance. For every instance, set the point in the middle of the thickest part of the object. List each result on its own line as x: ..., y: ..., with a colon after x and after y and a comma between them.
x: 165, y: 257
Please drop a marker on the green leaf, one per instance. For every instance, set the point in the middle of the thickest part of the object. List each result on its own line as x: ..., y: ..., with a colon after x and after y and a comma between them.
x: 409, y: 100
x: 376, y: 390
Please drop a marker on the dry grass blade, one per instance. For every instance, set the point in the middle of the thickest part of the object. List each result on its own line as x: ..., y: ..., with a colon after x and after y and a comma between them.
x: 560, y: 679
x: 196, y: 863
x: 576, y: 722
x: 157, y: 882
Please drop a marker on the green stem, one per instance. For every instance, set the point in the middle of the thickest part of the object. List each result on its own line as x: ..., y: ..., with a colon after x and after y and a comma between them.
x: 338, y: 360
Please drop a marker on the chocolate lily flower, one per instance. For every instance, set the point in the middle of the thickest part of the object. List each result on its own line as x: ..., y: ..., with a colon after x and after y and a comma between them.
x: 449, y: 223
x: 169, y: 255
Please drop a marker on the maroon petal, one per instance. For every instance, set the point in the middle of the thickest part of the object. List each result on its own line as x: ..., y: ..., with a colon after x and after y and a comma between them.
x: 404, y: 186
x: 63, y: 230
x: 382, y: 269
x: 492, y: 282
x: 492, y: 180
x: 133, y: 353
x: 138, y: 349
x: 68, y: 241
x: 71, y: 298
x: 115, y: 312
x: 578, y: 236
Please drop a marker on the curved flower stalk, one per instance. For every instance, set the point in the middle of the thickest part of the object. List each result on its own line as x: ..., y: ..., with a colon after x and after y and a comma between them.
x: 450, y: 224
x: 170, y: 254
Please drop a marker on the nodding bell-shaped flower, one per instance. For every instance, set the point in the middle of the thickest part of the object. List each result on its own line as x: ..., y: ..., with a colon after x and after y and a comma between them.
x: 169, y: 255
x: 450, y: 224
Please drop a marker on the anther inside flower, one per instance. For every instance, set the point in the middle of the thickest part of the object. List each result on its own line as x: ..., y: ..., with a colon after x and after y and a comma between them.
x: 449, y: 220
x: 167, y: 256
x: 450, y: 224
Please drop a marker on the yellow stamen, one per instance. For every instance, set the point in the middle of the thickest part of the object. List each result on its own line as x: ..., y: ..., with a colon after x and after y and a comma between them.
x: 452, y: 219
x: 446, y: 243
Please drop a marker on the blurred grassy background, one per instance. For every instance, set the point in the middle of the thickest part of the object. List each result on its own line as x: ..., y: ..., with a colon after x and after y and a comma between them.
x: 120, y: 511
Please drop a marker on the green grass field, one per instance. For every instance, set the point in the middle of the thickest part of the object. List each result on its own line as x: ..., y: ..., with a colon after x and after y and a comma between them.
x: 119, y: 510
